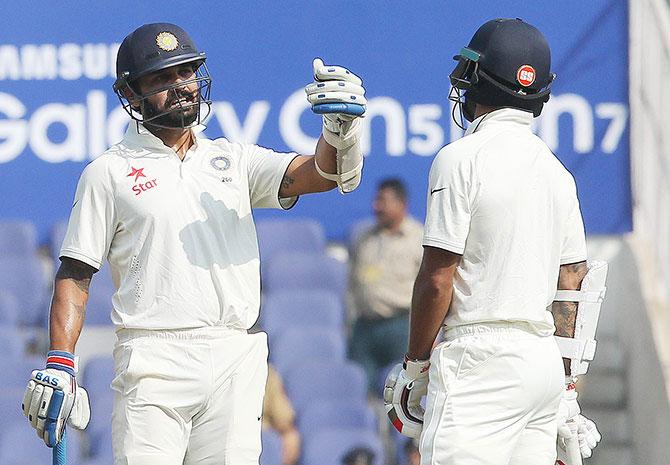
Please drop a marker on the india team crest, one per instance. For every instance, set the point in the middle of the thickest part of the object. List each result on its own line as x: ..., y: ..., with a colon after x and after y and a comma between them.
x: 525, y: 75
x: 167, y: 41
x: 221, y: 163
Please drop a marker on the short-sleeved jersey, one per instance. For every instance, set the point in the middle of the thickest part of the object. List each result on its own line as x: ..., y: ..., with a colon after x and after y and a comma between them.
x: 500, y: 198
x: 179, y: 235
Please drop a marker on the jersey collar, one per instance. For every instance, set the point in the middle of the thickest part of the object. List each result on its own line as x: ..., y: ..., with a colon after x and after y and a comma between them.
x: 503, y: 115
x: 138, y: 135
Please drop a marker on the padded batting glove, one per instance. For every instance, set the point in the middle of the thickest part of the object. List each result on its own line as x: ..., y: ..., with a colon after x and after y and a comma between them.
x: 404, y: 388
x: 53, y: 398
x: 572, y: 425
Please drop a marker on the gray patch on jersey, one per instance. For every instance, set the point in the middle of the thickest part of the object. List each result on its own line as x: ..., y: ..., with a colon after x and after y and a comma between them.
x: 221, y: 163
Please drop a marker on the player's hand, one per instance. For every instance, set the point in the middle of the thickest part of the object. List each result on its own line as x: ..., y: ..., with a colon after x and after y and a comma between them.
x: 53, y: 398
x: 405, y: 386
x: 572, y: 425
x: 336, y: 91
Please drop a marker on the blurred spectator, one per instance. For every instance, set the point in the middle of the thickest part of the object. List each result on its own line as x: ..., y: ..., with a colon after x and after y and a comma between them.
x: 412, y: 456
x: 279, y: 415
x: 358, y: 456
x: 384, y: 263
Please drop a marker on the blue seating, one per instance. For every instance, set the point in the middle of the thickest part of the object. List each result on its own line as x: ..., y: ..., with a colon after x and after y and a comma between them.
x: 18, y: 239
x: 102, y: 405
x: 100, y: 443
x: 328, y: 447
x: 98, y: 375
x: 17, y: 373
x: 9, y: 309
x: 299, y: 271
x: 289, y: 236
x: 283, y: 310
x: 272, y: 448
x: 315, y: 381
x: 340, y: 414
x: 25, y: 279
x: 294, y: 346
x: 11, y: 343
x: 20, y: 445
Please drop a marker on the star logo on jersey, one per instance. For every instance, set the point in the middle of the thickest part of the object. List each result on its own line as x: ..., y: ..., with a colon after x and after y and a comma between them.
x: 138, y: 173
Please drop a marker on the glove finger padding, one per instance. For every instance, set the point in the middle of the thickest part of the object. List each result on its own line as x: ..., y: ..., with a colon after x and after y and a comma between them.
x: 588, y: 436
x: 402, y: 400
x: 333, y: 73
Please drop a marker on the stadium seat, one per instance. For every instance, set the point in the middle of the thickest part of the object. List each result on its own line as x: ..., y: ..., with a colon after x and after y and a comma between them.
x: 16, y: 374
x: 11, y: 343
x: 340, y: 414
x: 283, y: 310
x: 9, y: 309
x: 328, y: 447
x: 102, y: 405
x: 294, y: 346
x: 100, y: 443
x: 289, y: 236
x: 300, y: 271
x: 25, y: 279
x: 18, y: 239
x: 272, y: 448
x: 20, y: 445
x: 316, y: 381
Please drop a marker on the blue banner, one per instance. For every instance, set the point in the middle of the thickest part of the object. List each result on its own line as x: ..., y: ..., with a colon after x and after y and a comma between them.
x: 57, y: 109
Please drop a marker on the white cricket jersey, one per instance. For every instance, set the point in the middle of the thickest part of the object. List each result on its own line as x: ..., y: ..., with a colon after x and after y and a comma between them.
x: 179, y: 235
x: 501, y: 199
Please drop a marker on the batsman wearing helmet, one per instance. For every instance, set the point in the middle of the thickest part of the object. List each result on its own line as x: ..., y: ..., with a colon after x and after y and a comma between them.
x: 172, y: 213
x: 503, y: 231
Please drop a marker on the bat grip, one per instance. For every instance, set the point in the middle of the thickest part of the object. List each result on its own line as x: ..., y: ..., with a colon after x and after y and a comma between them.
x: 59, y: 452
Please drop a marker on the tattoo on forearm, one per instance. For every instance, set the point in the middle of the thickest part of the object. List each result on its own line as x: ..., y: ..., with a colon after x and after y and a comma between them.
x: 77, y: 271
x: 287, y: 181
x: 565, y: 314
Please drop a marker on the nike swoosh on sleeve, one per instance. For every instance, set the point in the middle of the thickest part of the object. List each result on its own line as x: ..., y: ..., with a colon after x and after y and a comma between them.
x: 75, y: 203
x: 437, y: 190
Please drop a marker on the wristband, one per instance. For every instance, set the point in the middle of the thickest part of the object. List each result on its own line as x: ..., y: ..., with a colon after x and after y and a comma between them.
x: 62, y: 360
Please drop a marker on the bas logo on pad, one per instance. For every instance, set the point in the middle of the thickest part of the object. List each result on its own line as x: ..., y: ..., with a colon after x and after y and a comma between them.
x: 140, y: 187
x: 525, y: 75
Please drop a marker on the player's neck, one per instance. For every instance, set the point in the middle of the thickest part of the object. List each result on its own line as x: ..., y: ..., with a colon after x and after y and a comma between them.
x: 179, y: 140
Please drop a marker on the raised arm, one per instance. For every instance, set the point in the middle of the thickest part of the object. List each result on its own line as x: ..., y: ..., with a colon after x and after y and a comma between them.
x: 302, y: 176
x: 565, y: 313
x: 68, y: 306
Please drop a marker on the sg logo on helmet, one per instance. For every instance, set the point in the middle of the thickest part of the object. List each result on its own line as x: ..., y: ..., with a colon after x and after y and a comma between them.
x: 525, y: 75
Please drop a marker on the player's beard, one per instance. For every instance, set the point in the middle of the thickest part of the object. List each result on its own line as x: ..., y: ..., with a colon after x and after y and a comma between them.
x: 177, y: 117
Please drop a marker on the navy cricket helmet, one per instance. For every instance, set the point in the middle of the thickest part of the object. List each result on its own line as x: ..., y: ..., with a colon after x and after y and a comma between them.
x: 150, y: 49
x: 506, y: 64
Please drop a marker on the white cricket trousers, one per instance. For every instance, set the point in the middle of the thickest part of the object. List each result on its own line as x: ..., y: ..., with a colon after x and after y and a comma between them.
x: 493, y: 395
x: 188, y: 396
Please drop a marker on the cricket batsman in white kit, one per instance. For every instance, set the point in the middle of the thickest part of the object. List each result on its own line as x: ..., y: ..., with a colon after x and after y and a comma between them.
x: 172, y: 213
x: 503, y: 231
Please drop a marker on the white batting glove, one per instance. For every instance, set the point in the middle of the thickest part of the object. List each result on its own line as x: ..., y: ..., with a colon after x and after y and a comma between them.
x: 404, y: 388
x: 572, y: 425
x: 53, y: 398
x: 339, y: 96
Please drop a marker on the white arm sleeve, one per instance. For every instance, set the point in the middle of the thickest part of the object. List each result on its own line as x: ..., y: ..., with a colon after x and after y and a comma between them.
x: 448, y: 211
x: 92, y: 221
x: 266, y: 169
x: 573, y: 249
